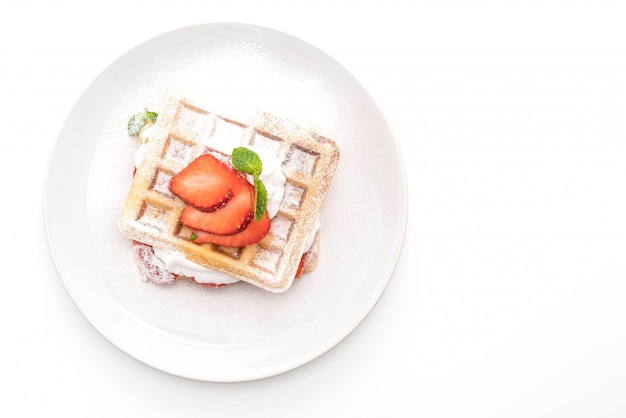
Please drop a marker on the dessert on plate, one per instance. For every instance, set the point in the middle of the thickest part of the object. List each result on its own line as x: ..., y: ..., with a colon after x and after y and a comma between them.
x: 217, y: 200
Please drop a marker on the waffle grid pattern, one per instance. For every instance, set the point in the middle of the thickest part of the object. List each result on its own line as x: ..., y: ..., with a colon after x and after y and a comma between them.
x: 183, y: 132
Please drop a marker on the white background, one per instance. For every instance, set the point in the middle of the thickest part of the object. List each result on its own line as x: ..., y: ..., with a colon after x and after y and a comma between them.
x: 509, y: 297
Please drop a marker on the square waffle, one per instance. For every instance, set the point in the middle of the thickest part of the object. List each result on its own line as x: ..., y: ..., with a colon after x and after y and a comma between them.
x: 184, y: 131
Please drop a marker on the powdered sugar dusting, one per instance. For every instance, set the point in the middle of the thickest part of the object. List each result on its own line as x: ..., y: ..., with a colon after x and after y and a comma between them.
x: 293, y: 195
x: 281, y: 227
x: 179, y: 151
x: 300, y: 161
x: 267, y: 259
x: 191, y: 118
x: 161, y: 183
x: 226, y: 136
x: 152, y: 217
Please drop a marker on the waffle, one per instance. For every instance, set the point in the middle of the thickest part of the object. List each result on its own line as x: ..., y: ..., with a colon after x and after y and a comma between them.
x: 184, y: 131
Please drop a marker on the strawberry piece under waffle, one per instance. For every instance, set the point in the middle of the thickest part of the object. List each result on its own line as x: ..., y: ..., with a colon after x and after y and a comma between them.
x: 152, y: 268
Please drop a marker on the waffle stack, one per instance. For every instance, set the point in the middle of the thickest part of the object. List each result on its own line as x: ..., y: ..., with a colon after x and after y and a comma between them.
x: 183, y: 131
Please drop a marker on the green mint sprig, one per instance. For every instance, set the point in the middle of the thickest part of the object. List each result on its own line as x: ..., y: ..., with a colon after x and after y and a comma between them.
x: 139, y: 120
x: 248, y: 161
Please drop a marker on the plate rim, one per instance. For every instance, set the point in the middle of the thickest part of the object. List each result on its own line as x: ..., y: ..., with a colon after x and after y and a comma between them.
x: 281, y: 368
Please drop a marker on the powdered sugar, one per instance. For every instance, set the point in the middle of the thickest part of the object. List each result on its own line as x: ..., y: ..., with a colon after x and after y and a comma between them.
x: 281, y: 227
x: 162, y: 183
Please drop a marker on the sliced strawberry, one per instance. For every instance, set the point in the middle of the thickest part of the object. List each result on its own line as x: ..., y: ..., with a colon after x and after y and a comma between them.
x: 205, y: 183
x: 301, y: 265
x: 215, y: 285
x: 253, y: 233
x: 234, y: 216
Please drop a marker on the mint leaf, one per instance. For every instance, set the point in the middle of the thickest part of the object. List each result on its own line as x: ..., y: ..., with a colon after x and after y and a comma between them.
x: 151, y: 116
x: 249, y: 162
x: 260, y: 199
x: 135, y: 124
x: 139, y: 120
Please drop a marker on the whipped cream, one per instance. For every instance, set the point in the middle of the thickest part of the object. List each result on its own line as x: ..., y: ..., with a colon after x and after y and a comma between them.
x: 179, y: 265
x: 272, y: 177
x: 274, y: 181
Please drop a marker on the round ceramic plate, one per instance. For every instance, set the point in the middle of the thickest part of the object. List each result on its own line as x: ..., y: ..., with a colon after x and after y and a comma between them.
x: 238, y: 332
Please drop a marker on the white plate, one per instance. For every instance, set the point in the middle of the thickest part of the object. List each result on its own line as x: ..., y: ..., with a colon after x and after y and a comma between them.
x: 238, y: 332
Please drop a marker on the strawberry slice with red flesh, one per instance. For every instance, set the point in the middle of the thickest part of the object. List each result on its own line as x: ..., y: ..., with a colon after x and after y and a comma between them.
x: 229, y: 219
x: 300, y: 269
x: 206, y: 183
x: 252, y: 234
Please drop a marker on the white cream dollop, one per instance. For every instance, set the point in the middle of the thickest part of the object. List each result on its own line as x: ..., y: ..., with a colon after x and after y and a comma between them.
x: 272, y: 177
x: 178, y: 264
